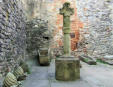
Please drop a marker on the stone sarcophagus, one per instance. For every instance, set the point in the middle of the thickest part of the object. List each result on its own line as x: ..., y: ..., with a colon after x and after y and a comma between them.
x: 43, y: 54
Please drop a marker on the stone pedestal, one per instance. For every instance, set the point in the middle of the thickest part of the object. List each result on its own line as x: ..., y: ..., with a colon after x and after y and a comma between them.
x: 67, y: 69
x: 44, y: 59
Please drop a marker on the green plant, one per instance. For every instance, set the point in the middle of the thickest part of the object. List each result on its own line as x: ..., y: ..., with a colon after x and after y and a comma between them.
x: 86, y: 59
x: 101, y: 61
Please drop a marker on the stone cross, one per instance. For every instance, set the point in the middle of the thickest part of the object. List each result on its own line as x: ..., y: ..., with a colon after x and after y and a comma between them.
x: 66, y: 11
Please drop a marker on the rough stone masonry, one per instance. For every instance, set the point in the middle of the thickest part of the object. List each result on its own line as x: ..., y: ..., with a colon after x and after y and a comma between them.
x: 97, y: 35
x: 96, y: 23
x: 12, y: 34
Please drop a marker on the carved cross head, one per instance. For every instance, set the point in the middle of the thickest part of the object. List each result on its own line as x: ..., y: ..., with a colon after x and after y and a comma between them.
x: 66, y: 10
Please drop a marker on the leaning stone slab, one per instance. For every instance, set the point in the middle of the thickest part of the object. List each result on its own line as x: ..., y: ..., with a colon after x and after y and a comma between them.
x: 110, y: 62
x: 87, y: 60
x: 67, y: 69
x: 108, y: 57
x: 44, y: 59
x: 105, y: 61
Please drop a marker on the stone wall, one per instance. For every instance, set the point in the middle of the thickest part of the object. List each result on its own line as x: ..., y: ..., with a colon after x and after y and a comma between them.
x: 39, y: 20
x: 97, y: 35
x: 92, y: 23
x: 76, y: 24
x: 49, y: 10
x: 35, y: 8
x: 12, y: 34
x: 38, y: 36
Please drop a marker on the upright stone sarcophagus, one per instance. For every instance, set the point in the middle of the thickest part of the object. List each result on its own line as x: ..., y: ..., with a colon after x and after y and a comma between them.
x: 44, y: 58
x: 67, y: 66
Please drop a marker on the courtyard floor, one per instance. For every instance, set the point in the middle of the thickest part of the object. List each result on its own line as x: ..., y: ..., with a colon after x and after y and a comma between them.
x: 100, y: 75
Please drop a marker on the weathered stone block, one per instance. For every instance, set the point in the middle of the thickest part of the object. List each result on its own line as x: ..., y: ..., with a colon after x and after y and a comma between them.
x: 43, y: 56
x: 67, y: 68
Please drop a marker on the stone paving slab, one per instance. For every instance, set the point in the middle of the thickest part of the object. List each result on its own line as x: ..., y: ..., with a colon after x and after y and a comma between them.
x: 1, y: 79
x: 91, y: 76
x: 99, y: 75
x: 78, y: 83
x: 37, y: 83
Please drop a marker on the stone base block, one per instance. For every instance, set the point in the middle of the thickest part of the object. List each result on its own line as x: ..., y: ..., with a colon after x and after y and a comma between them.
x: 67, y: 69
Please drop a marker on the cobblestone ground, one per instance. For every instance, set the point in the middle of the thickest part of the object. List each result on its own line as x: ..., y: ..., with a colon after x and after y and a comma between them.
x: 100, y: 75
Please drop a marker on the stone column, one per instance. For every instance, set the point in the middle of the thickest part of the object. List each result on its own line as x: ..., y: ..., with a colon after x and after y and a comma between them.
x: 66, y: 11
